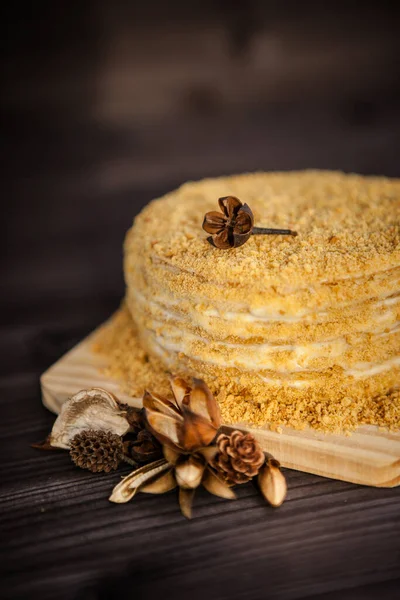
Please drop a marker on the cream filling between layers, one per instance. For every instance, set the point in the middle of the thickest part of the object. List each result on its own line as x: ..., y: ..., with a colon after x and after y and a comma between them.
x: 363, y: 371
x: 165, y: 305
x: 255, y: 357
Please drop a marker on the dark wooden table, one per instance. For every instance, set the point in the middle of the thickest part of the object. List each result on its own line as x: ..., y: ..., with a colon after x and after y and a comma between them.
x: 69, y: 194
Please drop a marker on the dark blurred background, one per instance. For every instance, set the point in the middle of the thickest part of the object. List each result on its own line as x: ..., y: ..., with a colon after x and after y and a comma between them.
x: 106, y: 105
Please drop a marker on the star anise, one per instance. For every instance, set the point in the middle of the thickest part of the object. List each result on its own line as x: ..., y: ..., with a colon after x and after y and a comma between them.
x: 233, y: 226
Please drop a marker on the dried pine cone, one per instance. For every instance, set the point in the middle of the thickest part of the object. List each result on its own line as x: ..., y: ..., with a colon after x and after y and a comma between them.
x: 239, y: 458
x: 96, y: 450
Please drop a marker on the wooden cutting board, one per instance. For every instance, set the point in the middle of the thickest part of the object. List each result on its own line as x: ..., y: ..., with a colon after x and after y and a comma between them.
x: 368, y: 456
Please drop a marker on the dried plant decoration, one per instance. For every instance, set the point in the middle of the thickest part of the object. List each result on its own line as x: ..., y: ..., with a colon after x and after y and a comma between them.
x: 186, y: 427
x: 127, y: 488
x: 189, y: 421
x: 177, y: 439
x: 145, y: 448
x: 97, y: 450
x: 272, y: 482
x: 93, y: 408
x: 233, y: 226
x: 239, y: 457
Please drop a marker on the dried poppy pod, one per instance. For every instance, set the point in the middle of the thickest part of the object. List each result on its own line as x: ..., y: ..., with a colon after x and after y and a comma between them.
x: 233, y: 226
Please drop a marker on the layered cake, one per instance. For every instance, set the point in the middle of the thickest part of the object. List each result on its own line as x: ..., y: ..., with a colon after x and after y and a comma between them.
x: 286, y: 330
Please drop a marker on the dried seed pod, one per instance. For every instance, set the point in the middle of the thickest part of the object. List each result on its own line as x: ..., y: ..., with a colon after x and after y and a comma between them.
x: 233, y: 226
x: 189, y: 472
x: 214, y: 485
x: 96, y: 450
x: 272, y: 482
x: 161, y: 485
x: 127, y: 488
x: 189, y: 422
x: 93, y: 408
x: 186, y: 498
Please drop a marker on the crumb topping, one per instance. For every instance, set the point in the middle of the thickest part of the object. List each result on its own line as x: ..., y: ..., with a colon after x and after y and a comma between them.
x: 348, y: 225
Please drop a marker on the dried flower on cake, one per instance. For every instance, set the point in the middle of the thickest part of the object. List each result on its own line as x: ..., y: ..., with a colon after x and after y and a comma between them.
x: 233, y: 226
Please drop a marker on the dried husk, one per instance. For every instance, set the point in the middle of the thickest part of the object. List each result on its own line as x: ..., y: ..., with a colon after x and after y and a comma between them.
x: 191, y: 423
x: 167, y: 429
x: 157, y: 403
x: 171, y: 455
x: 214, y: 485
x: 208, y: 453
x: 196, y: 432
x: 160, y: 485
x: 203, y: 403
x: 272, y: 483
x: 127, y: 488
x: 189, y: 472
x: 93, y: 408
x: 186, y: 498
x: 180, y: 389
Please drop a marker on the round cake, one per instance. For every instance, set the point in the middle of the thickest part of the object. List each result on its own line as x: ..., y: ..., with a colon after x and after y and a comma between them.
x: 287, y: 322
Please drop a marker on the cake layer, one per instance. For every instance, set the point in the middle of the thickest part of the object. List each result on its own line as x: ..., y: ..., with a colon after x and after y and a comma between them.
x: 317, y: 315
x: 328, y: 405
x: 374, y: 317
x: 345, y: 351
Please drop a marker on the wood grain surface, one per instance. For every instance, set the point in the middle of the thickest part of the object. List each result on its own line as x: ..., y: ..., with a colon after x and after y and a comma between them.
x: 369, y: 456
x: 80, y: 158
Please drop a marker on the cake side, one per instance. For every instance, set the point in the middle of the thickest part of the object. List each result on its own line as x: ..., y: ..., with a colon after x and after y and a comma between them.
x: 279, y: 323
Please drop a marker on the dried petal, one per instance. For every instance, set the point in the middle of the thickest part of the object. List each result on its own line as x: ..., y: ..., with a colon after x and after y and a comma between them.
x: 208, y: 453
x: 215, y: 485
x: 186, y: 498
x: 214, y: 222
x: 222, y: 240
x: 166, y: 429
x: 180, y: 389
x: 272, y: 483
x: 196, y: 431
x: 89, y: 409
x: 170, y: 455
x: 161, y: 485
x: 160, y: 404
x: 202, y: 402
x: 243, y: 223
x: 189, y: 472
x: 127, y: 488
x: 229, y: 205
